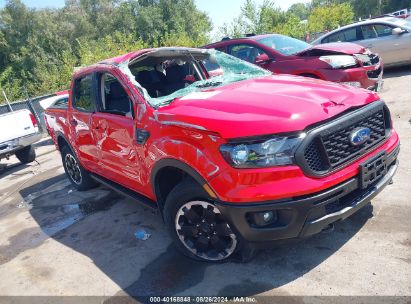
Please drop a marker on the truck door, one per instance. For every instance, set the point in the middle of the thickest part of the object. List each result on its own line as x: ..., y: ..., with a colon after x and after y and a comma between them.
x: 79, y: 121
x: 114, y: 129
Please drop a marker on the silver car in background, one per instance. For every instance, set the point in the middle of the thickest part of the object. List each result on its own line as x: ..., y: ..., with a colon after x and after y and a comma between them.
x: 389, y: 37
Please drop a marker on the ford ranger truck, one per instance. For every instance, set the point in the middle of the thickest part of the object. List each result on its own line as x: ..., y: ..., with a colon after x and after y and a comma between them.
x: 245, y: 157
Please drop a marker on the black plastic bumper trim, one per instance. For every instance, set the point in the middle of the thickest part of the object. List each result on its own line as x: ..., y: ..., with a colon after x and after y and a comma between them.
x: 306, y: 215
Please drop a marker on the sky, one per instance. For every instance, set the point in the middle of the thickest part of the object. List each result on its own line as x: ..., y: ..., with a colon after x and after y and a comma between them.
x: 220, y: 11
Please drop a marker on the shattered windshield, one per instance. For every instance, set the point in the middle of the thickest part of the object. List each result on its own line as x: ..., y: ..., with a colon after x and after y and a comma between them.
x: 164, y: 75
x: 284, y: 45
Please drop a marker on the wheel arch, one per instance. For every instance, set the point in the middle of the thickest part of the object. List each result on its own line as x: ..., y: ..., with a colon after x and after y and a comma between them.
x: 178, y: 170
x: 62, y: 141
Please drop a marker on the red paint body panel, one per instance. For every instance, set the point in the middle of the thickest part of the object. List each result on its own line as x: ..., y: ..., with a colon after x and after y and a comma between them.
x: 62, y: 92
x: 343, y: 47
x: 192, y: 131
x: 253, y: 185
x: 274, y: 104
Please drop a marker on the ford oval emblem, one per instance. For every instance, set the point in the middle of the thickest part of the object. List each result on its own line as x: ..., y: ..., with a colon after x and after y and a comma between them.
x: 359, y: 136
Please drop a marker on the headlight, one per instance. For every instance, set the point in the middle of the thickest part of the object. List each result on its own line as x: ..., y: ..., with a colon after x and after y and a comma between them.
x: 268, y: 153
x: 339, y: 61
x: 365, y: 59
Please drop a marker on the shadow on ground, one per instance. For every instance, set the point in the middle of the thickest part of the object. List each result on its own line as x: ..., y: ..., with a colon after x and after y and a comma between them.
x: 397, y: 71
x: 8, y: 169
x: 16, y: 166
x: 101, y: 224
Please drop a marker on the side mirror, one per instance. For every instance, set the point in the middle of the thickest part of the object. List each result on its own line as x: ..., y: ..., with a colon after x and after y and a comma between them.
x: 397, y: 31
x: 262, y: 59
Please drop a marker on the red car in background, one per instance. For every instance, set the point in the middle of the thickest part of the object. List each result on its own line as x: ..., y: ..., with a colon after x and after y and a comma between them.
x: 345, y: 63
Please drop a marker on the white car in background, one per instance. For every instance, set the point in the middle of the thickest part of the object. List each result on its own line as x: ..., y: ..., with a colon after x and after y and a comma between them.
x: 388, y: 37
x: 58, y: 100
x: 19, y: 131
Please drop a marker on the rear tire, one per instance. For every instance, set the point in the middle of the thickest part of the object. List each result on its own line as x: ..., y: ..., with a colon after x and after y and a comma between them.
x: 26, y: 155
x: 77, y: 175
x: 197, y: 227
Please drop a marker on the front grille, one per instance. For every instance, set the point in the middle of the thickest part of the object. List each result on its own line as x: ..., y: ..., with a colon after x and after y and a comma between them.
x: 328, y: 147
x: 338, y: 147
x: 374, y: 74
x: 316, y: 159
x: 374, y: 59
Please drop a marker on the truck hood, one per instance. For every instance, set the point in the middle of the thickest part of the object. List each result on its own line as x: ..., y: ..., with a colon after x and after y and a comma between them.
x: 336, y: 48
x: 261, y: 106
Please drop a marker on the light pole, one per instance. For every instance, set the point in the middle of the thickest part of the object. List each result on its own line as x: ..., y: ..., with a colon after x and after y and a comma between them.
x: 7, y: 100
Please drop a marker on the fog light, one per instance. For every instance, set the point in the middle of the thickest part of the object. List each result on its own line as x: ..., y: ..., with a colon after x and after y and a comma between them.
x: 352, y: 83
x: 264, y: 218
x: 268, y: 216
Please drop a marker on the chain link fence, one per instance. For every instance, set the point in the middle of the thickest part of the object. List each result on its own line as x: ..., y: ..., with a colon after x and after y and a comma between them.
x: 33, y: 105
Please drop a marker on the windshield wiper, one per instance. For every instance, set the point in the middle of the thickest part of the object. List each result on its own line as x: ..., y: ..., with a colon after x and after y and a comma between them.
x: 209, y: 84
x: 166, y: 102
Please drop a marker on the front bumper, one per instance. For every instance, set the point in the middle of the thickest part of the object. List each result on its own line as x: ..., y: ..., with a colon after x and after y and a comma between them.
x: 366, y: 77
x: 10, y: 147
x: 310, y: 214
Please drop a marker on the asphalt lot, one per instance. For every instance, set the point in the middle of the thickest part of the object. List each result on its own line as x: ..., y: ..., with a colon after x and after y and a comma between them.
x: 57, y: 241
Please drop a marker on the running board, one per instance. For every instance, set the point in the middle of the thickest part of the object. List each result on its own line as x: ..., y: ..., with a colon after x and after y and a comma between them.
x: 125, y: 191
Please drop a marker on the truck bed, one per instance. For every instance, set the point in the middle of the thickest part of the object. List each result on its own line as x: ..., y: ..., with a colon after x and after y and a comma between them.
x: 56, y: 120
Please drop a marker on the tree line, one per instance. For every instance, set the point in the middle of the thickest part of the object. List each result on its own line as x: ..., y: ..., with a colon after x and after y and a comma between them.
x: 302, y: 19
x: 39, y: 48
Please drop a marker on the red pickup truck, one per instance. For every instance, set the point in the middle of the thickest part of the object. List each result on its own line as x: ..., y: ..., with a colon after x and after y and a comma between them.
x: 245, y: 157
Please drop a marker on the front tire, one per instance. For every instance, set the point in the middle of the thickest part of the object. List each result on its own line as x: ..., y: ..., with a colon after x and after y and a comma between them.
x: 77, y: 175
x: 196, y: 225
x: 26, y: 155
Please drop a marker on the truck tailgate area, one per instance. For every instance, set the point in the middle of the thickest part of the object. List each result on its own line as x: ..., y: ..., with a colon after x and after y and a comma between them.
x: 18, y: 124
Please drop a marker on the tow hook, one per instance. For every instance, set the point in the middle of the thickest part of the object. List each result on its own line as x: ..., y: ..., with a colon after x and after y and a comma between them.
x: 329, y: 228
x: 391, y: 182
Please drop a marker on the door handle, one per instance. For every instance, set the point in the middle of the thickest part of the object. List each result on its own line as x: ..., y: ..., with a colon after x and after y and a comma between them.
x: 73, y: 122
